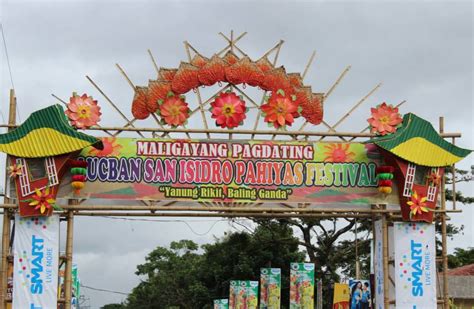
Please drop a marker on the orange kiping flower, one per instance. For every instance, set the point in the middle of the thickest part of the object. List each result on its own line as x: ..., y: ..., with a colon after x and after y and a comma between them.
x: 385, y: 119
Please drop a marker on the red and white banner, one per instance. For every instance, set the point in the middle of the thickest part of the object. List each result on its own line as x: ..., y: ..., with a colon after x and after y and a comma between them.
x: 36, y: 254
x: 415, y: 265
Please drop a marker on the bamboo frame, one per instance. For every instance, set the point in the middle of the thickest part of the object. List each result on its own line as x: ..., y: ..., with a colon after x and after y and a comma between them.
x: 220, y: 209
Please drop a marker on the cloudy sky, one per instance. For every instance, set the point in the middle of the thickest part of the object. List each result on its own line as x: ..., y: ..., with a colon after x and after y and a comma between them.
x: 421, y: 51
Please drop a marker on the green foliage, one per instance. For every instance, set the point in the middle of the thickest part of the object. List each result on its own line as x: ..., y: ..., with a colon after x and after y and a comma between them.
x: 186, y: 276
x: 113, y: 306
x: 461, y: 257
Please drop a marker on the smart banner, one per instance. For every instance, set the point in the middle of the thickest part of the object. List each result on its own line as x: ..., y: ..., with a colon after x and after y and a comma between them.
x: 341, y: 296
x: 378, y: 265
x: 243, y: 294
x: 270, y: 288
x: 221, y: 304
x: 35, y: 274
x: 302, y: 286
x: 415, y: 265
x: 194, y: 170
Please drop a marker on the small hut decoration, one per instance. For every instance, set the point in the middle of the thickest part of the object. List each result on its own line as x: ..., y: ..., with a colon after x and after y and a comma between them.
x: 418, y: 155
x: 40, y: 149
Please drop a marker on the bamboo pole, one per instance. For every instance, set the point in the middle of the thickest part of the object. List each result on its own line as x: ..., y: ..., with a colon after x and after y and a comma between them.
x: 368, y: 127
x: 154, y: 63
x: 444, y: 240
x: 198, y: 93
x: 308, y: 65
x: 453, y: 171
x: 241, y: 131
x: 213, y: 215
x: 129, y: 122
x: 259, y: 112
x: 65, y: 104
x: 355, y: 107
x: 385, y: 260
x: 69, y: 255
x: 336, y: 83
x: 6, y: 215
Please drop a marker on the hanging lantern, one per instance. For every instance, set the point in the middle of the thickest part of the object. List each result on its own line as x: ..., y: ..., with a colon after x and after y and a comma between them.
x: 78, y: 172
x: 384, y: 177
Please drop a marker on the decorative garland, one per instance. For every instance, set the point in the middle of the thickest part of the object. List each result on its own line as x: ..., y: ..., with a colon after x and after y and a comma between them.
x: 78, y: 172
x: 384, y: 177
x: 201, y: 71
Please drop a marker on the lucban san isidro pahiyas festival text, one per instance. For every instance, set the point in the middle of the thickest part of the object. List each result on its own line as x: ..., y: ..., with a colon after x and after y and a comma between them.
x: 239, y: 171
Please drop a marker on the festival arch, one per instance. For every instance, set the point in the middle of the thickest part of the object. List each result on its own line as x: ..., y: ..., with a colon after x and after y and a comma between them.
x: 194, y: 147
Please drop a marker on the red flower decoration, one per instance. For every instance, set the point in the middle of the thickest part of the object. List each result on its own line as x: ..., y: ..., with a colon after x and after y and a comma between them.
x: 173, y: 110
x: 385, y: 119
x: 280, y: 110
x: 229, y: 110
x: 417, y: 204
x: 43, y: 200
x: 83, y: 111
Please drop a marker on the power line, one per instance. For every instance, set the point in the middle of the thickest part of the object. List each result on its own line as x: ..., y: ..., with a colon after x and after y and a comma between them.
x: 103, y: 290
x: 9, y: 66
x: 6, y: 54
x: 168, y: 221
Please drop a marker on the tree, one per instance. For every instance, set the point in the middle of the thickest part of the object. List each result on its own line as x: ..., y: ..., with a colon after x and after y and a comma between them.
x: 183, y: 277
x: 113, y: 306
x: 461, y: 257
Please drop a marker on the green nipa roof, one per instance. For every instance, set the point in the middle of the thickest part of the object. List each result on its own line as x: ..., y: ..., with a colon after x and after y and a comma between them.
x: 45, y: 133
x: 418, y: 142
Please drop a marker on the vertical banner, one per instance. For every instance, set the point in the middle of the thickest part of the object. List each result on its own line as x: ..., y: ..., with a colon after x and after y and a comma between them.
x: 221, y: 304
x: 36, y: 254
x: 415, y: 265
x: 378, y: 265
x: 243, y: 294
x: 302, y: 286
x: 270, y: 288
x: 341, y: 296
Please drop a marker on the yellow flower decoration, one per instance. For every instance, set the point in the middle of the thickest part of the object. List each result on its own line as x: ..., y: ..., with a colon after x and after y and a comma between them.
x: 417, y: 204
x: 43, y: 200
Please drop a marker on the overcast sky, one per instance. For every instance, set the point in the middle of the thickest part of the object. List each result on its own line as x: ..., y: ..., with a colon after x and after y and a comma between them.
x: 421, y: 51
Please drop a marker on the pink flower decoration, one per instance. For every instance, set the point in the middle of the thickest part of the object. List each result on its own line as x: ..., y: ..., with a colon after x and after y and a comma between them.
x: 229, y: 110
x: 385, y: 119
x: 83, y: 111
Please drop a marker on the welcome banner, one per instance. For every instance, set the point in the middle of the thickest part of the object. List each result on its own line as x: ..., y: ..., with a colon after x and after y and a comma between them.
x: 243, y: 294
x: 302, y: 286
x: 415, y: 265
x: 378, y: 265
x: 270, y: 288
x: 157, y: 169
x: 36, y: 254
